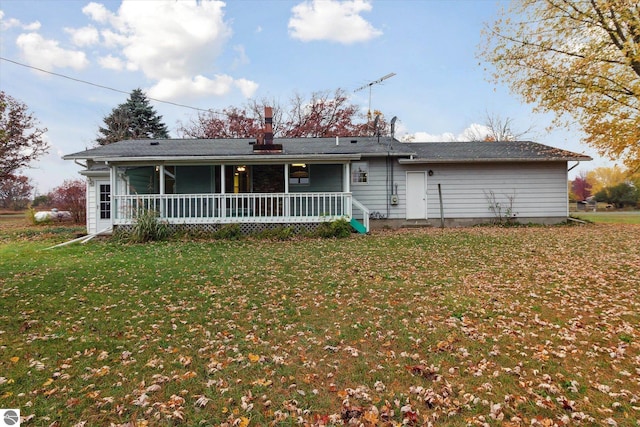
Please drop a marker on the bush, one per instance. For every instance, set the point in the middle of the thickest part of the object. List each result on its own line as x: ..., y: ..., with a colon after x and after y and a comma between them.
x: 148, y: 227
x: 339, y: 228
x: 229, y: 232
x: 30, y: 215
x: 71, y: 196
x: 278, y: 233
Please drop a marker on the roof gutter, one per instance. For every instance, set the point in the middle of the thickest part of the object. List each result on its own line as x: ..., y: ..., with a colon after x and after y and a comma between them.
x: 251, y: 159
x: 501, y: 160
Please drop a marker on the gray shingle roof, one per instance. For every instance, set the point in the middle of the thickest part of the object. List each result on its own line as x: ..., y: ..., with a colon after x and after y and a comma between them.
x: 491, y: 151
x: 318, y: 147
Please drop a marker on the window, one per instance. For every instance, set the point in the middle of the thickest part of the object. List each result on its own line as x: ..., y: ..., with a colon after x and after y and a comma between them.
x: 359, y: 172
x: 299, y: 174
x: 105, y: 201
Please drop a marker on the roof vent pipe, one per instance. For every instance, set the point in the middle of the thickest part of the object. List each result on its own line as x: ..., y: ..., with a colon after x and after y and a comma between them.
x: 337, y: 140
x: 393, y: 126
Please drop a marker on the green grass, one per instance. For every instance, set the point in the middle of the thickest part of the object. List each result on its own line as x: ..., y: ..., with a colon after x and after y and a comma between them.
x: 621, y: 217
x: 445, y: 323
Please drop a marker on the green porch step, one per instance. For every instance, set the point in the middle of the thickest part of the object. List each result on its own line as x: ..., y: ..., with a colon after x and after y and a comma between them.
x: 358, y: 226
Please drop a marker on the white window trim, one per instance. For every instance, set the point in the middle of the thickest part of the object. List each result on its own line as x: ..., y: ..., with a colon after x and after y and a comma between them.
x: 355, y: 170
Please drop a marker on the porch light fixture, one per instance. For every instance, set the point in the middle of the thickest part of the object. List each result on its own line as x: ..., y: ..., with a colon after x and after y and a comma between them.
x: 300, y: 165
x: 241, y: 168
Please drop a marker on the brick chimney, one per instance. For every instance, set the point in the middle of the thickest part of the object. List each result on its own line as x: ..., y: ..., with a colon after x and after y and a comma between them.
x: 264, y: 143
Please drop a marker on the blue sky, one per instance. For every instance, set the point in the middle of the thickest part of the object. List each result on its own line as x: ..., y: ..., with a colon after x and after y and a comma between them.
x: 213, y: 54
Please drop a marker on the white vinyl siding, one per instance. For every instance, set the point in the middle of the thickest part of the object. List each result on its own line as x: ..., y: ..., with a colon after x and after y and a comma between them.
x: 92, y: 202
x: 373, y: 194
x: 538, y: 190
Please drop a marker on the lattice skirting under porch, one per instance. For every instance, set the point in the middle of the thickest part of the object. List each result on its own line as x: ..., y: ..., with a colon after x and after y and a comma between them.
x: 246, y: 228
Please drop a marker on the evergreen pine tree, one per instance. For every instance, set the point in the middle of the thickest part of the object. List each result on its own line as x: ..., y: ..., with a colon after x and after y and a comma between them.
x: 135, y: 119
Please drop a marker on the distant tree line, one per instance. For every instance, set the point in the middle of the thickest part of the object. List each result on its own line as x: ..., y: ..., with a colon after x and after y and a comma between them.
x: 612, y: 185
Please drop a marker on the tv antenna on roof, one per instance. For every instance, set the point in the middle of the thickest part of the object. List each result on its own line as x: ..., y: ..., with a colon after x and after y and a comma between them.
x: 369, y: 85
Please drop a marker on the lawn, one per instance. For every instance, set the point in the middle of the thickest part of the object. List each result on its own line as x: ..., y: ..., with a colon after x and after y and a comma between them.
x: 620, y: 217
x: 478, y: 326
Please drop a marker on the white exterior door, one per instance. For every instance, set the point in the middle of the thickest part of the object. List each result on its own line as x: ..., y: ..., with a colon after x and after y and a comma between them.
x: 416, y: 195
x: 103, y: 204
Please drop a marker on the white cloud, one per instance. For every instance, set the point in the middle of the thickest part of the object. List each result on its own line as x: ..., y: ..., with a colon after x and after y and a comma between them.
x: 242, y: 58
x: 85, y: 36
x: 247, y: 87
x: 6, y: 24
x: 111, y: 62
x: 473, y: 132
x: 184, y: 87
x: 43, y: 53
x: 97, y: 12
x: 332, y: 20
x: 174, y: 43
x: 34, y: 26
x: 113, y: 39
x: 168, y: 40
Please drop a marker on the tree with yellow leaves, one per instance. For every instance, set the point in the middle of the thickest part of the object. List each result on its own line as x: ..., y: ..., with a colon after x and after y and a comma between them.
x: 579, y: 59
x: 604, y: 177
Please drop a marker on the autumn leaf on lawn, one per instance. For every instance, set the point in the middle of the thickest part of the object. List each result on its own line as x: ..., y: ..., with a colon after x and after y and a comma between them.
x: 244, y: 422
x: 428, y: 372
x: 447, y: 344
x: 262, y: 382
x: 253, y: 357
x: 202, y: 401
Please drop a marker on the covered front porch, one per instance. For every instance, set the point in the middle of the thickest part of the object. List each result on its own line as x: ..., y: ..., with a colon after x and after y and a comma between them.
x: 289, y: 193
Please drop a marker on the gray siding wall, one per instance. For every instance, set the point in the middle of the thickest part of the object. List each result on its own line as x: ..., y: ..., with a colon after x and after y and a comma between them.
x: 537, y: 189
x: 373, y: 194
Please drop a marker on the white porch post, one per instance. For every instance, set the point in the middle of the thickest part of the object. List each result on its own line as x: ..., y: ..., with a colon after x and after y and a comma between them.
x: 223, y: 204
x: 222, y: 183
x: 161, y: 172
x: 285, y: 201
x: 286, y: 177
x: 346, y: 185
x: 113, y: 186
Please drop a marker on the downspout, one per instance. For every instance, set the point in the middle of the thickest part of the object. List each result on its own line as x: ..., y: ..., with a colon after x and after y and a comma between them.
x: 80, y: 164
x: 572, y: 167
x: 389, y: 149
x: 389, y: 179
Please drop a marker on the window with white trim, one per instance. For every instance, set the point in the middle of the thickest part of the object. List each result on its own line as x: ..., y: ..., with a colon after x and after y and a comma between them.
x: 359, y: 172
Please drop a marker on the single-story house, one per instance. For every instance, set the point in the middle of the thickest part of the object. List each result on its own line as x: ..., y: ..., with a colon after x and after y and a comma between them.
x: 305, y: 181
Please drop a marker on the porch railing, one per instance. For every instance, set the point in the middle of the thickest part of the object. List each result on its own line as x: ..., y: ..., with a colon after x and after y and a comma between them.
x: 230, y: 208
